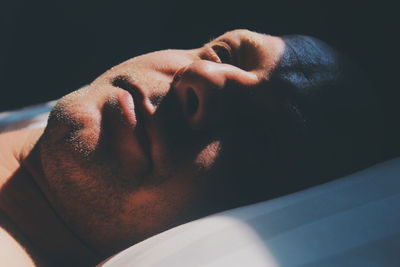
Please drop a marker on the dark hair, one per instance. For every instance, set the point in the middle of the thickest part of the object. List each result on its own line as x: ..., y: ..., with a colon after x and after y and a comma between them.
x: 322, y: 122
x: 328, y: 122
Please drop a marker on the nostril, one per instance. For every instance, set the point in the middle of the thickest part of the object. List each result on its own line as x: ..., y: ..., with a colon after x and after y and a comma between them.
x: 192, y: 102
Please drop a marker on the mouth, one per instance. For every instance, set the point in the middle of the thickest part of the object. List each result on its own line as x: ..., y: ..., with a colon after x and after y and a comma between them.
x: 130, y: 100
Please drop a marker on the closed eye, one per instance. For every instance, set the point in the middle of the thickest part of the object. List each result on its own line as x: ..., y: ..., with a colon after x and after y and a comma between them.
x: 219, y: 52
x: 223, y: 54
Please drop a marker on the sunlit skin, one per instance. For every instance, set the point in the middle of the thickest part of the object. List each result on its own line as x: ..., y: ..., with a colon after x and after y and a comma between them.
x: 147, y: 145
x: 147, y: 189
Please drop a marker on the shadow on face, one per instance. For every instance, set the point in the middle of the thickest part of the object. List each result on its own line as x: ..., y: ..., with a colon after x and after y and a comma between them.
x: 177, y: 134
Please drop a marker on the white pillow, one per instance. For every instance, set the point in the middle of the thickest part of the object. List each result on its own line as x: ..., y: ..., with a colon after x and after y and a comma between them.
x: 353, y: 221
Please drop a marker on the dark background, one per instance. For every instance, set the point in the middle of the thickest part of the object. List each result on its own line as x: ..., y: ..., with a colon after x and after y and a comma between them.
x: 48, y: 48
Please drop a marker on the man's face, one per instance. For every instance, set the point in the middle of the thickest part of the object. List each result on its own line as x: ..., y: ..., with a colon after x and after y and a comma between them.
x: 156, y: 140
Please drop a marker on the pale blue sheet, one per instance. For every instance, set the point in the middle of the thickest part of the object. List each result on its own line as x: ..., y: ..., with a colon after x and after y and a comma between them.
x: 28, y: 117
x: 350, y: 222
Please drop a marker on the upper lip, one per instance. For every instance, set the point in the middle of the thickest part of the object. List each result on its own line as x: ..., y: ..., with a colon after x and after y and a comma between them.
x: 141, y: 132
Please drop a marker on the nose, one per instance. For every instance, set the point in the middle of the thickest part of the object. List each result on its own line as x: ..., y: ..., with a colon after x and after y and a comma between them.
x: 204, y: 92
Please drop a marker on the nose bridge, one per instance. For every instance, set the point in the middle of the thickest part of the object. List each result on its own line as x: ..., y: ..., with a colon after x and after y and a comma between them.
x: 203, y: 91
x: 208, y: 73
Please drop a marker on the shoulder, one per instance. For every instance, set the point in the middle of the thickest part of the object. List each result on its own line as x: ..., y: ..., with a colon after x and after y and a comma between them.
x: 12, y: 253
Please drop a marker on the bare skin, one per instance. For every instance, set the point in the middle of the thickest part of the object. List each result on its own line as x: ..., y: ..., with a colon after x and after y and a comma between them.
x: 11, y: 251
x: 31, y: 232
x: 111, y: 170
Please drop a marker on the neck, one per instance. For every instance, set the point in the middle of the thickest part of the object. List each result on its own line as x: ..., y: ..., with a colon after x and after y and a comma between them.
x: 32, y: 221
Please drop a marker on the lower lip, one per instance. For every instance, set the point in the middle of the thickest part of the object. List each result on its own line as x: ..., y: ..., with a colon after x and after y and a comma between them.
x: 128, y: 107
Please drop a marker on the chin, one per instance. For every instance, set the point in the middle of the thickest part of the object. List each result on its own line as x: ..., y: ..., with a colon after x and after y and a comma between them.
x: 74, y: 123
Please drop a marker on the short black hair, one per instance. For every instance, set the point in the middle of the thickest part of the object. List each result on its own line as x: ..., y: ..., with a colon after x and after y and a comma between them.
x: 328, y: 122
x: 320, y: 121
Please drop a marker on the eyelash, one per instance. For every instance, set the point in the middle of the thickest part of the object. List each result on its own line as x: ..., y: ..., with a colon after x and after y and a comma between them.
x: 212, y: 53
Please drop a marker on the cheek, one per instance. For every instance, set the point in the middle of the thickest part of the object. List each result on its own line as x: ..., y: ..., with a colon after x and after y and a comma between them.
x: 207, y: 157
x: 158, y: 207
